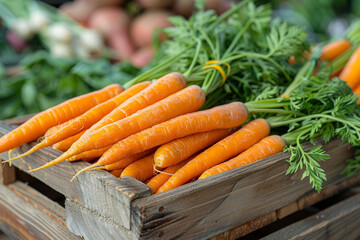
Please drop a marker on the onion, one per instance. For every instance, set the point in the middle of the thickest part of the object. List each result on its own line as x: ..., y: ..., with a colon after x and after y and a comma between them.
x: 91, y: 40
x: 61, y: 50
x: 38, y: 20
x: 15, y: 41
x: 23, y: 29
x: 60, y: 33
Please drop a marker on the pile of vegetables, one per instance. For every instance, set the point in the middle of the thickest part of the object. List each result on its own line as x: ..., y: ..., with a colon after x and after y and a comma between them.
x: 63, y: 37
x: 225, y: 95
x: 132, y: 29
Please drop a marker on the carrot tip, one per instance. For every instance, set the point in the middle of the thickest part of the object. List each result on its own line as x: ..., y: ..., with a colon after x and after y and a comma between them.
x: 35, y: 169
x: 33, y: 149
x: 89, y: 168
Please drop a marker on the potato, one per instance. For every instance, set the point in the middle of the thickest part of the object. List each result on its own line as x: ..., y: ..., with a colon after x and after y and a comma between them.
x: 142, y: 57
x: 142, y: 27
x: 101, y: 3
x: 122, y: 45
x: 109, y: 21
x: 154, y: 4
x: 184, y: 7
x: 78, y: 10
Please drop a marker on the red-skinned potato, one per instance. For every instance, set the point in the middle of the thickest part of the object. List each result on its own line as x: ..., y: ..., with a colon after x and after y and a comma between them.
x: 154, y: 4
x: 142, y: 28
x: 109, y: 21
x: 183, y: 7
x: 100, y: 3
x: 78, y: 10
x: 121, y: 44
x: 142, y: 57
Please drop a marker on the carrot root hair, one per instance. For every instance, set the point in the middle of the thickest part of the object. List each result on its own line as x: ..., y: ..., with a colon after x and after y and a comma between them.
x: 89, y: 168
x: 9, y: 155
x: 159, y: 171
x: 33, y: 149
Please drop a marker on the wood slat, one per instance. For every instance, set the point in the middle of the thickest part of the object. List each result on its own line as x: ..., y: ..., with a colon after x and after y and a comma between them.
x: 340, y: 221
x: 91, y: 225
x: 300, y: 204
x: 18, y: 120
x: 27, y: 214
x: 94, y: 189
x: 208, y: 207
x: 7, y: 174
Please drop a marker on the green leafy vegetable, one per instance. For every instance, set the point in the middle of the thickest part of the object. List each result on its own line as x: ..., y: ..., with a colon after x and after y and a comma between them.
x: 47, y: 81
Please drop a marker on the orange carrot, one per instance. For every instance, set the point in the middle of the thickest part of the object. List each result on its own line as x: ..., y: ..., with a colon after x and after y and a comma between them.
x: 180, y: 149
x: 184, y: 101
x: 84, y: 121
x: 142, y: 169
x: 158, y: 180
x: 225, y: 149
x: 265, y: 148
x: 123, y: 163
x: 351, y: 72
x: 334, y: 49
x: 92, y: 116
x: 357, y: 91
x: 117, y: 172
x: 160, y: 89
x: 41, y: 122
x: 94, y: 153
x: 221, y: 117
x: 65, y: 144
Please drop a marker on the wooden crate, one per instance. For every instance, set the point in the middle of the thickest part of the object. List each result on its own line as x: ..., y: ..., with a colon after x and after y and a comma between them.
x: 98, y: 206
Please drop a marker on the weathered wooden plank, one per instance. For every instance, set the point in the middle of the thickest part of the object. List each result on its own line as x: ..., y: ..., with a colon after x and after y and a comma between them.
x: 3, y: 236
x: 246, y: 228
x: 27, y: 214
x: 92, y: 226
x: 7, y: 174
x: 18, y: 120
x: 208, y: 207
x: 315, y: 197
x: 300, y: 204
x: 340, y: 221
x: 94, y: 189
x: 287, y: 210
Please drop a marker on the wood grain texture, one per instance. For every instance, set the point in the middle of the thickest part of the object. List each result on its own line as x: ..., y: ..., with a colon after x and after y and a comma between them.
x: 210, y: 206
x: 7, y: 174
x: 340, y: 221
x: 27, y: 214
x: 94, y: 189
x: 287, y: 210
x: 247, y: 227
x: 300, y: 204
x: 18, y: 120
x: 327, y: 192
x: 91, y: 225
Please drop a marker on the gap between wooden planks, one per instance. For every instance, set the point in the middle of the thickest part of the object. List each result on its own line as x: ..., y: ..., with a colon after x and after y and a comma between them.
x: 300, y: 204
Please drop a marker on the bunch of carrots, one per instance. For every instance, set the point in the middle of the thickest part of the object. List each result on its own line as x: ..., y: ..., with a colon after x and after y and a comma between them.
x: 156, y: 133
x: 124, y: 128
